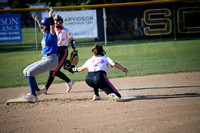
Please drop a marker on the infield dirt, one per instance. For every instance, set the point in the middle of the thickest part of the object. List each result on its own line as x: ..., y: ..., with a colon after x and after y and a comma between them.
x: 165, y: 103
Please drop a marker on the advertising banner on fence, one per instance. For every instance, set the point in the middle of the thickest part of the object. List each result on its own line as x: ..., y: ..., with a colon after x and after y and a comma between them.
x: 169, y: 20
x: 10, y: 28
x: 82, y: 24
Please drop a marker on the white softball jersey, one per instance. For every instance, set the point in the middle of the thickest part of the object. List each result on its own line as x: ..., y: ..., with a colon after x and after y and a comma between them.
x: 63, y: 36
x: 98, y: 63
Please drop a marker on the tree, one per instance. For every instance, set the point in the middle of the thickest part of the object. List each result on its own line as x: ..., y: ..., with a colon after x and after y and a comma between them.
x: 20, y: 4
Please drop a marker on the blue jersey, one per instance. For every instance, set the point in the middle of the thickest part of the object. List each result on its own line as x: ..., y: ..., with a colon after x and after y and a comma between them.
x: 49, y: 44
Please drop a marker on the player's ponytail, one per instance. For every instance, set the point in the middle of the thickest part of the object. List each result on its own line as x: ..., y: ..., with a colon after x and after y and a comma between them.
x: 98, y: 50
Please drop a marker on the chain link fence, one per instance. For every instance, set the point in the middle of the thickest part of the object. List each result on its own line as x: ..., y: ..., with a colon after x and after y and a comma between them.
x: 124, y: 24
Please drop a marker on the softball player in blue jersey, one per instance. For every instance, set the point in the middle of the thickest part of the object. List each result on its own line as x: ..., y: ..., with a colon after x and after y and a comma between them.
x: 49, y: 61
x: 96, y: 77
x: 64, y: 36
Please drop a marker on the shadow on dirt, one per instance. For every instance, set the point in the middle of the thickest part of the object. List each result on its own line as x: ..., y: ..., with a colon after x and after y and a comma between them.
x: 168, y: 96
x: 151, y: 97
x: 171, y: 87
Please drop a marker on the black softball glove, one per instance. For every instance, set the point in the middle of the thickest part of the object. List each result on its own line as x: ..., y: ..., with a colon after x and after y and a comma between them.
x: 68, y: 66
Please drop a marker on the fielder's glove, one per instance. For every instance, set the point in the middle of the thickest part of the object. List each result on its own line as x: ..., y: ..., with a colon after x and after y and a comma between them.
x: 68, y: 66
x: 74, y: 57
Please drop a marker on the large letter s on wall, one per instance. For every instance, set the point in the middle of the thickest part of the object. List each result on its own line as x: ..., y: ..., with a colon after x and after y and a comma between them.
x: 157, y: 25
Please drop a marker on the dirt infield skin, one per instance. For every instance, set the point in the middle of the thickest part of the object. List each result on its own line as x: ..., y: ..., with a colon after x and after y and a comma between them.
x: 166, y: 103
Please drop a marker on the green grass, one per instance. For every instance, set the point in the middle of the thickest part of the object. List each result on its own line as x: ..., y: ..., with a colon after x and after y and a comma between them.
x: 140, y: 59
x: 158, y: 58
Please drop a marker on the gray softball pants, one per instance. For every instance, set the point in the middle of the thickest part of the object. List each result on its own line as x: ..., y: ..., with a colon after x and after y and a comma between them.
x: 48, y: 63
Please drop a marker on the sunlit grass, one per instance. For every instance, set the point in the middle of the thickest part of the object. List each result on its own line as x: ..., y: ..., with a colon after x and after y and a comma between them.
x: 140, y: 59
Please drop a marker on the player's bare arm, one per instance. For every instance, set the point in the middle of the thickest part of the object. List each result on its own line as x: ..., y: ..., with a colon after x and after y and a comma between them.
x: 52, y: 26
x: 36, y: 19
x: 118, y: 66
x: 73, y: 43
x: 71, y: 38
x: 81, y: 69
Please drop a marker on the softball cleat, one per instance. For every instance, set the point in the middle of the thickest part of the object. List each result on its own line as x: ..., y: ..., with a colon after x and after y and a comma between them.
x: 114, y: 97
x: 95, y: 97
x: 31, y: 98
x: 69, y: 85
x: 43, y: 91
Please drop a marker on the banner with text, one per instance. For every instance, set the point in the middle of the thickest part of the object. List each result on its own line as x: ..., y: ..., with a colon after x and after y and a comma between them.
x: 82, y: 24
x: 10, y: 28
x: 170, y: 20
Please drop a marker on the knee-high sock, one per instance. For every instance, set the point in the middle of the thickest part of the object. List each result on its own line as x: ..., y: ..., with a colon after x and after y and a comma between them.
x: 49, y: 80
x: 62, y: 76
x: 32, y: 84
x: 58, y: 74
x: 96, y: 91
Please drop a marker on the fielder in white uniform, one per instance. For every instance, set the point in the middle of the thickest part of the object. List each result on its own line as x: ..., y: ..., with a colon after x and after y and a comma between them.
x: 96, y: 77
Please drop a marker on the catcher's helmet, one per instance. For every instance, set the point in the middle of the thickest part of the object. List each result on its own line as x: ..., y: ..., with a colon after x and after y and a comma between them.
x: 58, y: 18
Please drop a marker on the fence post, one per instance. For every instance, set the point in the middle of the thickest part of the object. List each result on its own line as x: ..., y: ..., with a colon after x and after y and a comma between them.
x: 36, y: 36
x: 174, y: 19
x: 105, y: 25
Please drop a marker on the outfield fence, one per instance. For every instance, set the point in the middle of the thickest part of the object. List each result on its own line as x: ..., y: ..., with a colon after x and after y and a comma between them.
x: 116, y: 23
